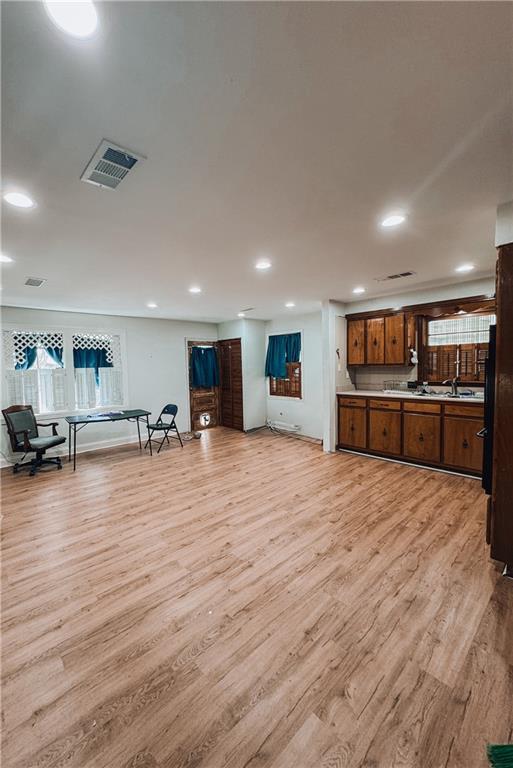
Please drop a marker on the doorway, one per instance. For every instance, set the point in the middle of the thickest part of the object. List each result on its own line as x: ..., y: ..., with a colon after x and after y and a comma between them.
x: 230, y: 369
x: 204, y: 401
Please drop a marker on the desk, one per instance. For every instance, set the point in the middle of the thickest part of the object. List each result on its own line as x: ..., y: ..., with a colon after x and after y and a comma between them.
x: 76, y: 423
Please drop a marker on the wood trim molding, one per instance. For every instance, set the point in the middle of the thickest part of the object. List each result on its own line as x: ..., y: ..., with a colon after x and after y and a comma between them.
x: 481, y: 303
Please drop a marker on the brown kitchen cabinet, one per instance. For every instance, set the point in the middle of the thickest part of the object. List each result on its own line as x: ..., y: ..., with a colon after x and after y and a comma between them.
x: 462, y: 448
x: 352, y: 427
x: 375, y: 346
x: 355, y: 342
x: 394, y: 339
x: 421, y: 437
x: 385, y: 432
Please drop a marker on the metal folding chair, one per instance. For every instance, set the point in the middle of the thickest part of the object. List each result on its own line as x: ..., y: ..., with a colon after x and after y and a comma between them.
x: 164, y: 427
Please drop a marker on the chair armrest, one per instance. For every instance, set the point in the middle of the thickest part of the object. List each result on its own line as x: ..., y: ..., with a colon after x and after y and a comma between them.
x: 53, y: 424
x: 26, y: 441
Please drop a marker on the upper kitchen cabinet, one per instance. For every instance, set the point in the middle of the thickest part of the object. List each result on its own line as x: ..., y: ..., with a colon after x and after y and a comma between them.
x: 355, y: 342
x: 375, y: 347
x: 394, y: 339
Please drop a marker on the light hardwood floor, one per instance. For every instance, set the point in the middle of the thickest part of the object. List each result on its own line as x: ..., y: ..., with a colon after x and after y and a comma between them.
x: 249, y: 601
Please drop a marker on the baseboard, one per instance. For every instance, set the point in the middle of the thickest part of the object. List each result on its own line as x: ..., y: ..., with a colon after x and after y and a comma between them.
x: 62, y: 451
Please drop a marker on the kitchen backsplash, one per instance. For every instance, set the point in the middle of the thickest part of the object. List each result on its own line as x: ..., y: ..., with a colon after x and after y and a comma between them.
x: 373, y: 377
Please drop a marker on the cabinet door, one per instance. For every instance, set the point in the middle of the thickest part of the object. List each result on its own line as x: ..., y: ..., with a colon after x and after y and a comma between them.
x: 352, y: 427
x: 355, y: 342
x: 394, y: 340
x: 375, y: 328
x: 421, y: 437
x: 385, y: 432
x: 461, y: 446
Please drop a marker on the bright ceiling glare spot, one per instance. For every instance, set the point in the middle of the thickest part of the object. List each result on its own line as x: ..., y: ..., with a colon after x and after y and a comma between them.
x: 5, y: 259
x: 393, y: 220
x: 359, y: 289
x: 194, y: 289
x: 465, y: 268
x: 241, y: 314
x: 151, y: 305
x: 290, y: 304
x: 263, y: 264
x: 77, y: 18
x: 19, y: 200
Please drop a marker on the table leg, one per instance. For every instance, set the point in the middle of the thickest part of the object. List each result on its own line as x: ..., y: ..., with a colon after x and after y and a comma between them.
x: 74, y: 447
x: 69, y: 442
x: 149, y: 438
x: 139, y: 433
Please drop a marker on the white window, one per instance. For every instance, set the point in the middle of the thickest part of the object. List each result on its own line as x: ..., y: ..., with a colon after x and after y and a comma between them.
x: 465, y: 329
x: 63, y: 370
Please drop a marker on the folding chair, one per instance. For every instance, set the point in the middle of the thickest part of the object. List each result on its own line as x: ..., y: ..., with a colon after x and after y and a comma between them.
x: 165, y: 427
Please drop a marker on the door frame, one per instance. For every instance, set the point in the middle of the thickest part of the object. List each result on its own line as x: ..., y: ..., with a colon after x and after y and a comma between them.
x: 189, y: 343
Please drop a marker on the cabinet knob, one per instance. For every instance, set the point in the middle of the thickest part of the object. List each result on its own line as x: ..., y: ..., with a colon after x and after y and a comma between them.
x: 352, y: 427
x: 394, y: 340
x: 385, y: 433
x: 465, y: 443
x: 375, y: 342
x: 421, y: 438
x: 355, y: 343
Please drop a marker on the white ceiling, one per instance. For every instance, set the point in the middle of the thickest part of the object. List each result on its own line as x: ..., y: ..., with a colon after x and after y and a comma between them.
x: 275, y: 129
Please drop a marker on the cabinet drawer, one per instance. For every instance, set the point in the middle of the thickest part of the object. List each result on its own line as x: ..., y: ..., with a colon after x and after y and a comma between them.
x: 389, y: 405
x: 352, y: 427
x: 421, y: 437
x: 354, y: 402
x: 385, y: 432
x: 461, y: 446
x: 464, y: 409
x: 421, y: 407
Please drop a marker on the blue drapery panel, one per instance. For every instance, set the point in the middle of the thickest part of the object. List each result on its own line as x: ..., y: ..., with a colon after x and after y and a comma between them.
x: 282, y: 349
x: 56, y: 355
x: 204, y: 368
x: 91, y: 358
x: 30, y: 359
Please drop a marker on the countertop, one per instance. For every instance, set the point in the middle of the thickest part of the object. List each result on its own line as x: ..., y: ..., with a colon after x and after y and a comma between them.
x: 409, y: 396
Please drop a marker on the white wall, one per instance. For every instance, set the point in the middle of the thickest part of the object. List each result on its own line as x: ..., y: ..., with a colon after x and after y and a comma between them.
x: 253, y: 343
x: 156, y: 365
x: 308, y: 411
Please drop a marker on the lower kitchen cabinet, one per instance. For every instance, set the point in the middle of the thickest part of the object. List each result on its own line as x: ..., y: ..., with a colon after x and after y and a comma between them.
x: 352, y: 427
x: 462, y: 449
x: 385, y: 432
x: 421, y: 437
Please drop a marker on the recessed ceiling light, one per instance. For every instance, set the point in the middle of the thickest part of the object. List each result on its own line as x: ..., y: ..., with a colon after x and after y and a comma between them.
x: 393, y: 219
x: 194, y: 289
x: 359, y: 289
x: 5, y: 259
x: 465, y: 268
x: 241, y: 314
x: 290, y: 304
x: 76, y: 17
x: 151, y: 305
x: 263, y: 264
x: 19, y: 199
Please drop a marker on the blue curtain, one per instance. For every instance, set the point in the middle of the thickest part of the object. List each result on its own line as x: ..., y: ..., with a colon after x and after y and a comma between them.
x: 30, y: 359
x: 282, y: 349
x: 56, y: 355
x: 204, y: 368
x: 91, y: 358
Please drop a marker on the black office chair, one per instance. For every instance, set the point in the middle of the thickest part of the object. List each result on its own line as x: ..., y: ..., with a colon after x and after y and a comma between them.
x: 24, y: 436
x: 165, y: 427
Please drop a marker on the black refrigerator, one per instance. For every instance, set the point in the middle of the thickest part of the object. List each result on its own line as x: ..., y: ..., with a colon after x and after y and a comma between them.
x: 489, y: 396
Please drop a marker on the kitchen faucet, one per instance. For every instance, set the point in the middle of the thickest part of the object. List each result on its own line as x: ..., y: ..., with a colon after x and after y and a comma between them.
x: 454, y: 385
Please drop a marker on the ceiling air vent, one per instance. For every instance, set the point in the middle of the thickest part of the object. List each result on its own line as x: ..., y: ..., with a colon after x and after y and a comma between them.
x: 35, y: 282
x: 398, y: 276
x: 109, y: 165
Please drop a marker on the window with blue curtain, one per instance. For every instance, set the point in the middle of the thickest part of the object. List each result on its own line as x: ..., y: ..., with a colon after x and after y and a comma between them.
x: 282, y: 349
x: 204, y: 368
x: 91, y: 358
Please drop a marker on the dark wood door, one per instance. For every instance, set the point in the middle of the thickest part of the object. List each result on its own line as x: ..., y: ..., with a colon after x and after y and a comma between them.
x: 204, y: 402
x: 394, y: 339
x: 375, y: 330
x: 461, y: 446
x: 352, y: 427
x: 230, y: 365
x: 421, y: 437
x: 355, y: 342
x: 385, y: 432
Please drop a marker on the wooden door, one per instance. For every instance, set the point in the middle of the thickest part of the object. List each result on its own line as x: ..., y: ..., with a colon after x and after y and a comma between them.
x: 394, y: 339
x: 355, y: 342
x: 230, y: 365
x: 204, y: 403
x: 352, y: 427
x: 461, y: 446
x: 385, y: 432
x: 421, y: 437
x: 375, y: 331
